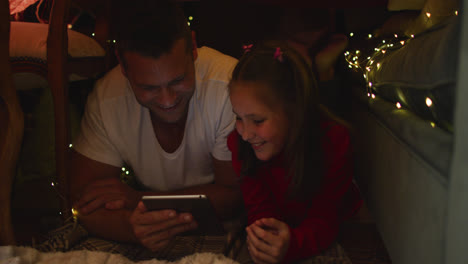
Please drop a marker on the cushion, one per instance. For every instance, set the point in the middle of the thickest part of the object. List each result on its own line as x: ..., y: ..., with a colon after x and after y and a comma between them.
x: 28, y: 39
x: 425, y: 67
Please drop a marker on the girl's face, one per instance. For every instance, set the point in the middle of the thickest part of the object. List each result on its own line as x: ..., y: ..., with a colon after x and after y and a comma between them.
x: 260, y: 118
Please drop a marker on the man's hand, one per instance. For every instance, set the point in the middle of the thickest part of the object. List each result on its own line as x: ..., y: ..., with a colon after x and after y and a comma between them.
x: 154, y: 229
x: 110, y: 193
x: 268, y: 240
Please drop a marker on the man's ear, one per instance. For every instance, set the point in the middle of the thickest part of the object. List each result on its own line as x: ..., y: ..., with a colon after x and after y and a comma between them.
x: 194, y: 46
x: 121, y: 62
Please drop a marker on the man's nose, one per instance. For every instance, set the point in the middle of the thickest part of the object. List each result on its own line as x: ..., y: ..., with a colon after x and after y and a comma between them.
x: 166, y: 97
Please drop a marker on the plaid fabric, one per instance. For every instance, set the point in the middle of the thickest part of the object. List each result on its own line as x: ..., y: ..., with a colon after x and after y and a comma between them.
x: 73, y: 236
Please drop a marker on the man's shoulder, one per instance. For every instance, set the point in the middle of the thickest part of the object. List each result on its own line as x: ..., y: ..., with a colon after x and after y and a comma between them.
x: 112, y: 85
x: 214, y: 65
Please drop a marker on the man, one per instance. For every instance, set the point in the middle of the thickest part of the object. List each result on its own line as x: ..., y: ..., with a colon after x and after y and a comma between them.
x: 164, y: 110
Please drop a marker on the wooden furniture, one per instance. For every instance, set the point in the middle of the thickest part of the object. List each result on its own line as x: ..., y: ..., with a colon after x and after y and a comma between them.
x: 59, y: 62
x: 11, y: 129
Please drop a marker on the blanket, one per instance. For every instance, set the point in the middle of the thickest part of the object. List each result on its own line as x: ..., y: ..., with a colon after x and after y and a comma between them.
x: 23, y: 255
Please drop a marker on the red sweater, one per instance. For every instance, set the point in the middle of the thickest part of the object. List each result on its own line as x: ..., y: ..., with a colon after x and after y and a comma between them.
x: 314, y: 224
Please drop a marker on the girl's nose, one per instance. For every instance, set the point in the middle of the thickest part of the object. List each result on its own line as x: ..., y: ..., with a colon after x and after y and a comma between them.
x: 247, y: 134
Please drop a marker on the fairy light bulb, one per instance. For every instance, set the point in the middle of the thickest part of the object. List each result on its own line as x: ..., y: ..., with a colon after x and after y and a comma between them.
x: 370, y: 84
x: 190, y: 18
x: 52, y: 184
x: 369, y: 36
x: 127, y: 172
x: 70, y: 26
x: 123, y: 168
x: 378, y: 66
x: 368, y: 95
x: 402, y: 42
x: 433, y: 124
x: 74, y: 213
x: 398, y: 105
x: 383, y: 51
x: 396, y: 36
x: 351, y: 34
x: 188, y: 23
x: 428, y: 15
x: 412, y: 35
x: 428, y: 102
x: 383, y: 41
x: 93, y: 34
x: 373, y: 96
x: 70, y: 146
x: 456, y: 12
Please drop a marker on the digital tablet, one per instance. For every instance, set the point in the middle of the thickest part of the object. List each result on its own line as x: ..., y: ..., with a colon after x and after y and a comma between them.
x: 198, y: 205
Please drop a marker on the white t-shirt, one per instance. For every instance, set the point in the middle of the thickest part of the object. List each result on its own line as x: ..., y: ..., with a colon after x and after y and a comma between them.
x: 116, y: 129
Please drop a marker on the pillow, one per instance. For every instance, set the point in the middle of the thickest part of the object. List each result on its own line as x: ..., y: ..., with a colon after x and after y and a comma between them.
x: 29, y: 39
x: 425, y: 67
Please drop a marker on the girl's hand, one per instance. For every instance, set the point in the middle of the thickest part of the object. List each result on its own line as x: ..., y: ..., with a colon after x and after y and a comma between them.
x: 268, y: 240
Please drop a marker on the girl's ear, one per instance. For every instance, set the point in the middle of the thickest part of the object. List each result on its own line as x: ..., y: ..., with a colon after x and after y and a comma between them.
x: 194, y: 46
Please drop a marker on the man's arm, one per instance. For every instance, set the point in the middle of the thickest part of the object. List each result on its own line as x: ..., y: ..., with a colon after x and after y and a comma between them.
x: 104, y: 223
x: 224, y: 193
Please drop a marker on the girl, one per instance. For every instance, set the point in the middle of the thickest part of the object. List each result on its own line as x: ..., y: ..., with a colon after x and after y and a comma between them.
x: 292, y: 156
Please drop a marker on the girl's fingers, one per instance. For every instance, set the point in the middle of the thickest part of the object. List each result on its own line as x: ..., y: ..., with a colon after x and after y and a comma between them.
x: 264, y: 235
x: 258, y: 256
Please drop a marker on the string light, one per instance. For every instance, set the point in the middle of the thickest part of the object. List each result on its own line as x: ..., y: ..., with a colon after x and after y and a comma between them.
x: 428, y: 102
x: 70, y: 26
x: 188, y: 23
x: 433, y: 124
x: 123, y: 168
x: 93, y: 34
x: 70, y: 146
x: 385, y: 47
x: 190, y: 18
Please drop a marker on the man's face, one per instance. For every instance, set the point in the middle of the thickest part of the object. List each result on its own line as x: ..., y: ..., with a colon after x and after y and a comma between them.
x: 163, y: 85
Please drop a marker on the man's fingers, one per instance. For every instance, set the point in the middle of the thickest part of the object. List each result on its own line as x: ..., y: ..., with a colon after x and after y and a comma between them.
x: 115, y: 205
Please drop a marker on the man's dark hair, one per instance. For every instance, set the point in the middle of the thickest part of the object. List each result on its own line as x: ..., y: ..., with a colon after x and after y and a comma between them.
x: 150, y: 27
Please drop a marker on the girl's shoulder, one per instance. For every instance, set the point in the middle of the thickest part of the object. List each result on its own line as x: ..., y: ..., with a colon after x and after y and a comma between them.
x: 233, y: 141
x: 336, y: 137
